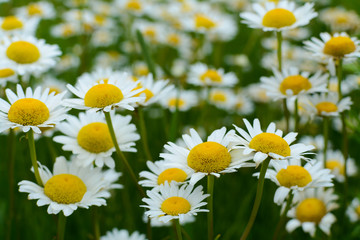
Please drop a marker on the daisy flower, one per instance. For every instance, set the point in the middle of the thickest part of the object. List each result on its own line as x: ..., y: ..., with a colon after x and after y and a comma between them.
x: 26, y: 54
x: 44, y: 10
x: 31, y: 110
x: 353, y: 210
x: 200, y: 74
x: 185, y: 100
x: 122, y: 234
x: 317, y: 141
x: 88, y: 137
x: 155, y: 222
x: 68, y: 187
x: 292, y: 83
x: 279, y: 17
x: 259, y: 145
x: 313, y: 209
x: 221, y: 98
x: 7, y: 75
x: 216, y: 156
x: 105, y: 94
x: 242, y: 104
x: 15, y: 25
x: 174, y: 202
x: 340, y: 19
x: 290, y: 175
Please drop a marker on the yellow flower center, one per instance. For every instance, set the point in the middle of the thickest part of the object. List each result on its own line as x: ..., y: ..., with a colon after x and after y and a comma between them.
x: 212, y: 75
x: 357, y: 210
x: 95, y: 137
x: 54, y: 90
x: 175, y: 205
x: 172, y: 174
x: 270, y: 143
x: 103, y: 95
x: 334, y: 164
x: 173, y: 39
x: 6, y: 72
x: 23, y: 52
x: 296, y: 83
x: 133, y: 5
x: 172, y: 102
x: 278, y: 18
x: 11, y: 23
x: 34, y: 9
x: 294, y: 176
x: 311, y: 210
x: 141, y: 71
x: 209, y: 157
x: 28, y: 112
x: 218, y: 97
x: 339, y: 46
x: 150, y: 32
x: 65, y: 188
x: 202, y: 21
x: 326, y: 107
x: 149, y: 94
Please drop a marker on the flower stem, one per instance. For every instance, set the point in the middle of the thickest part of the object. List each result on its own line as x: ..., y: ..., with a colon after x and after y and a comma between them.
x: 326, y: 137
x: 61, y: 226
x: 146, y: 53
x: 96, y: 225
x: 287, y: 115
x: 296, y: 115
x: 259, y: 192
x: 178, y: 229
x: 11, y: 154
x: 30, y: 136
x: 283, y: 216
x: 279, y: 49
x: 121, y: 154
x: 144, y: 134
x: 210, y: 220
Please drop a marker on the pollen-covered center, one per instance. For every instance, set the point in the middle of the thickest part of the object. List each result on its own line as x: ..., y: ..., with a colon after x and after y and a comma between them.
x: 28, y: 112
x: 218, y: 97
x: 278, y: 18
x: 11, y: 23
x: 23, y: 52
x: 335, y: 165
x: 209, y: 157
x: 202, y: 21
x: 103, y: 95
x: 6, y: 72
x: 172, y: 174
x: 212, y: 75
x: 175, y: 206
x: 296, y: 83
x: 293, y: 176
x: 326, y: 107
x: 270, y: 143
x: 95, y: 137
x: 339, y: 46
x: 148, y: 93
x: 65, y: 188
x: 311, y: 210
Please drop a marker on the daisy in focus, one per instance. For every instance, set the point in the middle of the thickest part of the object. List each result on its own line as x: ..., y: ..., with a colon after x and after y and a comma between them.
x: 122, y: 234
x: 68, y: 187
x: 31, y: 109
x: 89, y: 139
x: 313, y: 209
x: 173, y: 202
x: 353, y: 210
x: 259, y: 145
x: 214, y: 157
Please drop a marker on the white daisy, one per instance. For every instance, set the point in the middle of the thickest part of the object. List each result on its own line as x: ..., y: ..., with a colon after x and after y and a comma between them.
x: 216, y: 156
x: 66, y: 62
x: 242, y: 104
x: 88, y: 137
x: 68, y: 187
x: 26, y: 54
x: 155, y: 222
x: 353, y: 210
x: 290, y: 175
x: 340, y: 19
x: 31, y: 110
x: 185, y: 100
x: 105, y: 95
x: 313, y: 209
x: 44, y: 10
x: 122, y: 234
x: 15, y: 25
x: 317, y: 141
x: 174, y: 202
x: 7, y: 75
x: 292, y: 83
x: 222, y: 98
x: 65, y: 30
x: 278, y: 17
x: 259, y: 145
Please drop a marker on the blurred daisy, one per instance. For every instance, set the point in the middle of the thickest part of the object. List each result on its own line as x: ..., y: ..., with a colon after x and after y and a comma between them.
x: 55, y: 85
x: 150, y: 30
x: 66, y: 62
x: 257, y: 93
x: 213, y: 157
x: 290, y: 175
x: 259, y: 145
x: 65, y: 30
x: 7, y: 75
x: 103, y: 37
x: 122, y: 234
x: 317, y: 141
x: 136, y: 7
x: 242, y: 104
x: 31, y: 110
x: 26, y: 54
x: 15, y: 25
x: 292, y: 83
x: 185, y: 100
x: 88, y: 137
x: 44, y: 10
x: 340, y: 19
x: 353, y: 210
x: 68, y: 187
x: 174, y: 202
x: 313, y: 209
x: 222, y: 98
x: 200, y: 74
x: 278, y: 17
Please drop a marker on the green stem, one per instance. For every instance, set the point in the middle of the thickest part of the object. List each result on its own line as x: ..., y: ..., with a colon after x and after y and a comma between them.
x: 61, y: 226
x: 279, y: 49
x: 339, y: 71
x: 31, y: 140
x: 210, y: 205
x: 146, y: 52
x: 296, y: 116
x: 287, y: 115
x: 259, y: 192
x: 121, y: 154
x: 11, y: 154
x: 96, y: 225
x: 283, y: 216
x: 175, y: 117
x: 148, y: 229
x: 143, y: 134
x: 178, y: 229
x: 326, y: 137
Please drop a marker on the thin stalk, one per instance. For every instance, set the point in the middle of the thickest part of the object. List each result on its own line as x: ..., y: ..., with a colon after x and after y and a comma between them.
x: 175, y: 117
x: 339, y: 72
x: 96, y: 226
x: 210, y: 205
x: 287, y: 115
x: 178, y: 229
x: 257, y: 202
x: 11, y: 154
x: 279, y: 49
x: 148, y: 229
x: 326, y: 137
x: 121, y: 154
x: 281, y: 222
x: 146, y: 52
x: 61, y: 226
x: 30, y: 136
x: 143, y: 134
x: 296, y: 115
